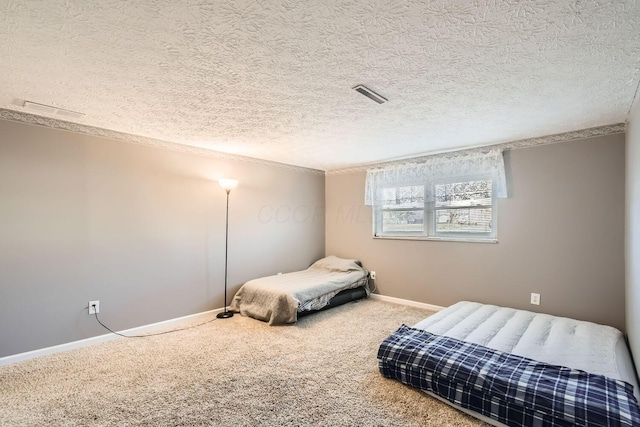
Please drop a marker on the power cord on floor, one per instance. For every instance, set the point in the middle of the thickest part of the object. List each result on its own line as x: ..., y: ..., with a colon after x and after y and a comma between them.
x: 151, y: 335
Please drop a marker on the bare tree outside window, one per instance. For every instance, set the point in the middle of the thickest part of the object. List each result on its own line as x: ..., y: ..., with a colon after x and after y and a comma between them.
x: 464, y: 207
x: 459, y: 210
x: 403, y: 210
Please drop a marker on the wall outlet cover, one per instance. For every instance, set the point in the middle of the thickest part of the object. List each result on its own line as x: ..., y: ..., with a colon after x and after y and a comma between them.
x: 94, y: 307
x: 535, y: 299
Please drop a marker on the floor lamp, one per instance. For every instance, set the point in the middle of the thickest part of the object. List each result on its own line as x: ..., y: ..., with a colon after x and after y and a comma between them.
x: 227, y: 185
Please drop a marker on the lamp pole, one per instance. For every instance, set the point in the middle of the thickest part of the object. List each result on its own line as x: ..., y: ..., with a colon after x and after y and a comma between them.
x: 227, y: 185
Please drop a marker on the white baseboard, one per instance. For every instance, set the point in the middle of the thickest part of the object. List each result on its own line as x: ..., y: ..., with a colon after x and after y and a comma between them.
x: 8, y: 360
x: 407, y: 302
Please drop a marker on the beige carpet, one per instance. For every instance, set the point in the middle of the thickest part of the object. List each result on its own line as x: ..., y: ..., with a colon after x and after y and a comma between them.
x: 239, y: 371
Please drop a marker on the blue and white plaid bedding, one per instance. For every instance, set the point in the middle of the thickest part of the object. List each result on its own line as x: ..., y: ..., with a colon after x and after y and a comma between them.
x: 511, y: 389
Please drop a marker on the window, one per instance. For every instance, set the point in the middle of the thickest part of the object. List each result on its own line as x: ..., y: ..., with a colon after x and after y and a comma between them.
x: 461, y: 210
x: 464, y: 209
x: 451, y: 196
x: 403, y: 211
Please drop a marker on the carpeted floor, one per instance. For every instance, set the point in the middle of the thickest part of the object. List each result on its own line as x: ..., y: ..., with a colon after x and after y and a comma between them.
x: 239, y: 371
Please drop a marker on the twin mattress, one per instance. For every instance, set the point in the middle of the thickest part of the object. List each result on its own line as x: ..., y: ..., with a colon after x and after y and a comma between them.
x: 554, y: 341
x: 278, y: 299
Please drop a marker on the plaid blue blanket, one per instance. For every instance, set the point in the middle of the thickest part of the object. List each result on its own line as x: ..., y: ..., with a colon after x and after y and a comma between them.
x: 511, y: 389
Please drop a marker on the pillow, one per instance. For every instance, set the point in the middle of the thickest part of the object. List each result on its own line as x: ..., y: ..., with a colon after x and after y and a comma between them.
x: 333, y: 263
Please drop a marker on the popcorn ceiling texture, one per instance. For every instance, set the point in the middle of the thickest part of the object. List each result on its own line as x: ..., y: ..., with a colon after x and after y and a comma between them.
x: 272, y: 80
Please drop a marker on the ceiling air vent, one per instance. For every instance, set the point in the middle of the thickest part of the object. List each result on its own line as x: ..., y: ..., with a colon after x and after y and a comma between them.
x: 51, y: 111
x: 370, y: 94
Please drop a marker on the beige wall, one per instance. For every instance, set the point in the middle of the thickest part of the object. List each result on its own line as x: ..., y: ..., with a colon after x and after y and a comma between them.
x: 560, y: 232
x: 633, y: 233
x: 138, y: 228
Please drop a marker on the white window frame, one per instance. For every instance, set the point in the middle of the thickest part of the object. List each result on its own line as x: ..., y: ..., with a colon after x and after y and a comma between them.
x: 378, y: 216
x: 429, y: 216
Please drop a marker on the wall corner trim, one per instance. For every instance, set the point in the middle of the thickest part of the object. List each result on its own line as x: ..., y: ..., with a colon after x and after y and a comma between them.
x: 406, y: 302
x: 32, y: 119
x: 14, y: 358
x: 605, y: 130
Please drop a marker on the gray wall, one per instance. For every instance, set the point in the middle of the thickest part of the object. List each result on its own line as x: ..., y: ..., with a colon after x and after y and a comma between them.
x: 560, y: 232
x: 139, y: 228
x: 633, y: 233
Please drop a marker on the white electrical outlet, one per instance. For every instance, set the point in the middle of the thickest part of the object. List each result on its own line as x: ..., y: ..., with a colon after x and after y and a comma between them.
x: 372, y: 274
x: 535, y: 299
x: 94, y: 307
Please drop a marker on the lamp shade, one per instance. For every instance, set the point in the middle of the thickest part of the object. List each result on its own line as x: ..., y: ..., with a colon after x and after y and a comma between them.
x: 228, y: 184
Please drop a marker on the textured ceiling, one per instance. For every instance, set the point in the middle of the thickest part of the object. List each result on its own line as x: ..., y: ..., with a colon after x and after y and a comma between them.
x: 273, y: 80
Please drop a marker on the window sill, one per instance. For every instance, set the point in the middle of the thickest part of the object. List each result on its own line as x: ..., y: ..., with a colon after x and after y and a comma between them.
x: 437, y: 239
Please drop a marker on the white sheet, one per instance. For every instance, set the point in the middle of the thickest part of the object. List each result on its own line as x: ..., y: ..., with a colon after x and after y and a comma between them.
x: 587, y: 346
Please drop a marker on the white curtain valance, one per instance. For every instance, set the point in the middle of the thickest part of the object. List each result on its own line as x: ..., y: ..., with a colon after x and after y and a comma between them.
x: 461, y: 166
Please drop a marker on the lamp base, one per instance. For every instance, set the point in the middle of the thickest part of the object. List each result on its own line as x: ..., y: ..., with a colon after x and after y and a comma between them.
x: 225, y: 315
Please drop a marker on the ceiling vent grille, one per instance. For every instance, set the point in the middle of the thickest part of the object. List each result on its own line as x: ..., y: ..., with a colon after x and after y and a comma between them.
x: 51, y: 111
x: 370, y: 94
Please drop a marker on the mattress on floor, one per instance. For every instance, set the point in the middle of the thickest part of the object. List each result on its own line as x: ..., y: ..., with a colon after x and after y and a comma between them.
x: 593, y: 348
x: 278, y: 299
x: 517, y: 368
x: 342, y: 297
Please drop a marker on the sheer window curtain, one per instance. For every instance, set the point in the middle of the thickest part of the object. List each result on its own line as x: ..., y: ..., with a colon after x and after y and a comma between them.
x: 453, y: 167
